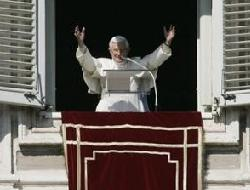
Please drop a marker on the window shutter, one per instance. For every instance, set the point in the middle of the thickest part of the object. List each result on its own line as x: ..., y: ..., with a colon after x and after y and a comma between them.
x: 236, y: 46
x: 18, y: 65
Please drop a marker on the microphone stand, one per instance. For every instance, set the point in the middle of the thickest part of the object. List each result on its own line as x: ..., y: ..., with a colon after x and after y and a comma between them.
x: 151, y: 74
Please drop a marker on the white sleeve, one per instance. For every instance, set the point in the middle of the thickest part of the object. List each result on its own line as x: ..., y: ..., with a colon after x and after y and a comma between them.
x: 93, y: 83
x: 89, y: 69
x: 85, y: 59
x: 157, y: 58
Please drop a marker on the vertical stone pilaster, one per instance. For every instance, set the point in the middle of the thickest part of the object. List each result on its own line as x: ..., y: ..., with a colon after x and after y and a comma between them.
x: 5, y: 142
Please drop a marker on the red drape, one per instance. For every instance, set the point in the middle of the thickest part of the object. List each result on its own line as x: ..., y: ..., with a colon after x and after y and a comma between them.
x: 133, y: 151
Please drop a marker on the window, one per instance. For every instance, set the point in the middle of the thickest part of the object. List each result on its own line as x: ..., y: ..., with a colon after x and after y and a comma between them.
x: 22, y: 52
x: 71, y: 91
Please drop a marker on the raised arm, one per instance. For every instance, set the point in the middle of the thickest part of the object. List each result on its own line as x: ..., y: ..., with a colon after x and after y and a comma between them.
x: 169, y: 34
x: 87, y: 62
x: 80, y: 36
x: 163, y: 52
x: 85, y: 59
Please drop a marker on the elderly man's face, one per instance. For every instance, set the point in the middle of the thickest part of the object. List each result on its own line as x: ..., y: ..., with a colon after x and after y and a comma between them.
x: 118, y: 51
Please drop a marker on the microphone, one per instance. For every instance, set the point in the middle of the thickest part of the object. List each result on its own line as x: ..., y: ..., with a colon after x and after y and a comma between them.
x: 152, y: 76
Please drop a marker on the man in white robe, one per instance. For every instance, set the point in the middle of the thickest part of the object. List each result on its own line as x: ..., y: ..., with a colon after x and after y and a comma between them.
x: 141, y: 82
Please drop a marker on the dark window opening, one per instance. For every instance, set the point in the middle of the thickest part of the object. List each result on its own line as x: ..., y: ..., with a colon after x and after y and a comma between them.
x: 142, y: 25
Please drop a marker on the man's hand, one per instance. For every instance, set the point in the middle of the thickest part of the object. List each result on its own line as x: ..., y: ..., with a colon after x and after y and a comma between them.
x: 80, y: 36
x: 169, y: 34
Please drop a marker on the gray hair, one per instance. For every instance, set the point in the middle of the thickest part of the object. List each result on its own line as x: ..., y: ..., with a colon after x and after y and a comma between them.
x: 118, y: 39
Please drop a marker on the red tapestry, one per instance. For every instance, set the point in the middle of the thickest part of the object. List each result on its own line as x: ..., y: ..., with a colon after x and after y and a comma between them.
x: 133, y: 151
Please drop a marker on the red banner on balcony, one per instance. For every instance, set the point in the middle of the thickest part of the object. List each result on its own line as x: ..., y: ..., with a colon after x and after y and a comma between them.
x: 133, y: 151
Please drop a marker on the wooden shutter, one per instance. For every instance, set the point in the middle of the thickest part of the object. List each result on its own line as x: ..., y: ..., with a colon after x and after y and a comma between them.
x: 18, y: 65
x: 236, y: 46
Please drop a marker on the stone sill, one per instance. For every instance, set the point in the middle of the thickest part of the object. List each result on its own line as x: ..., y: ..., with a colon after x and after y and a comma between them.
x: 41, y: 139
x: 45, y: 130
x: 42, y: 177
x: 222, y: 176
x: 8, y: 178
x: 213, y: 135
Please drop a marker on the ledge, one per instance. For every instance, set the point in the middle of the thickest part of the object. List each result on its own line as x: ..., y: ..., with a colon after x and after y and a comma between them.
x: 45, y: 130
x: 8, y: 178
x: 227, y: 177
x: 42, y: 139
x: 42, y: 177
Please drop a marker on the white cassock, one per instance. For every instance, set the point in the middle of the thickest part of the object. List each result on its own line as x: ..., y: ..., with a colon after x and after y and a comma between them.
x: 94, y: 75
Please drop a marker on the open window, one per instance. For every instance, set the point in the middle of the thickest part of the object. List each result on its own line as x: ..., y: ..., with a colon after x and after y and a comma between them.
x: 176, y: 79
